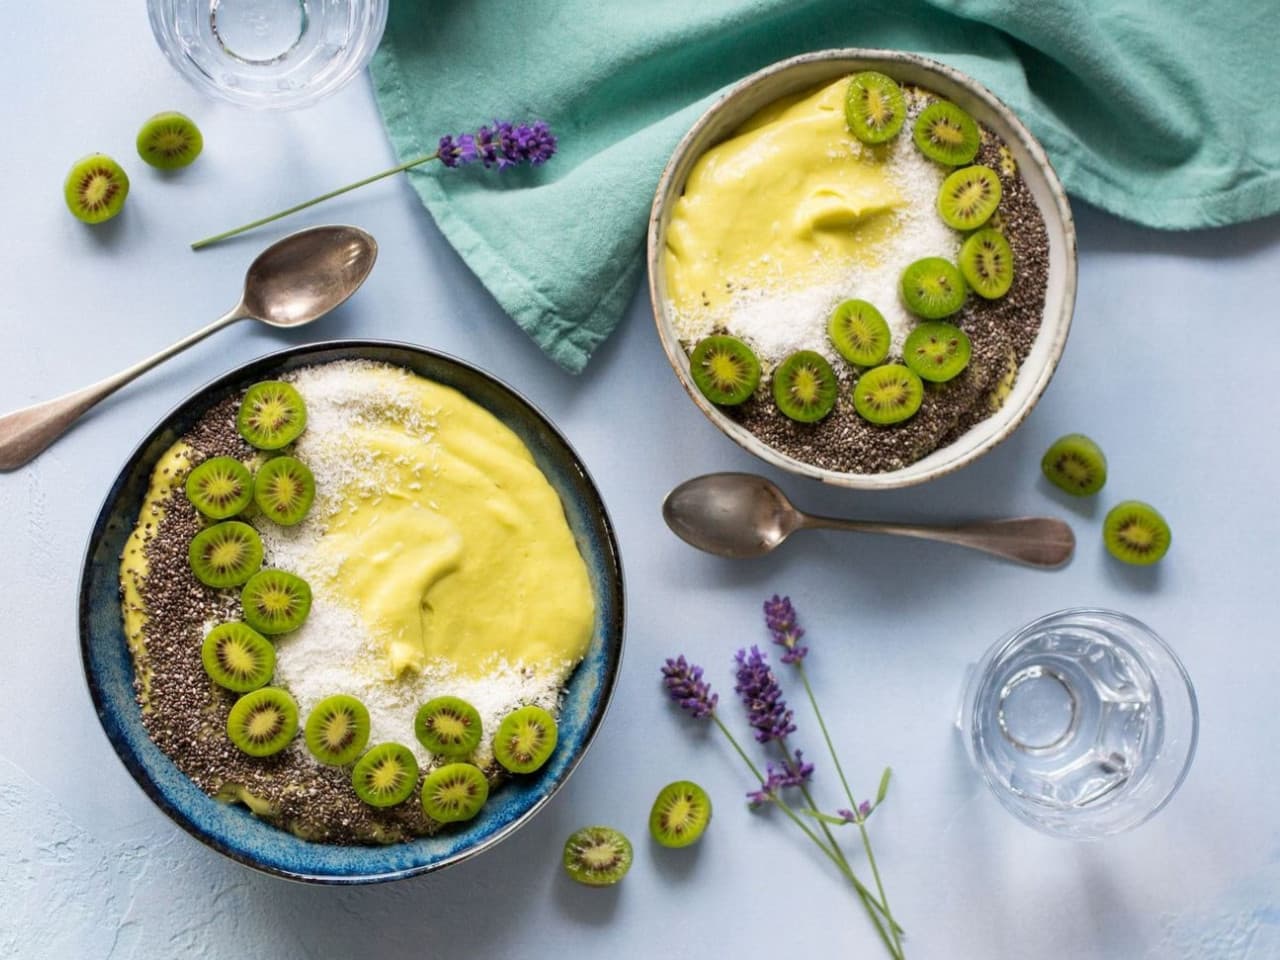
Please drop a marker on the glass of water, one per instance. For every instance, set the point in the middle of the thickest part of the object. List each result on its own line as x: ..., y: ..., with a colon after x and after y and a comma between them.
x: 268, y: 53
x: 1082, y: 723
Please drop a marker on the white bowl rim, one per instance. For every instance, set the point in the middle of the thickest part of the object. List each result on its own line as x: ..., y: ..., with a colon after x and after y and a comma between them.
x: 854, y: 59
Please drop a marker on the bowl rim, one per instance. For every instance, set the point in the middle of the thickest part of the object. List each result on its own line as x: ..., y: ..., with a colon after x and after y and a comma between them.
x: 138, y: 770
x: 891, y: 479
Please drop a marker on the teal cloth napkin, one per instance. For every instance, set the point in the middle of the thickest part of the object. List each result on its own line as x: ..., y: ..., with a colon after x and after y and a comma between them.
x: 1161, y: 111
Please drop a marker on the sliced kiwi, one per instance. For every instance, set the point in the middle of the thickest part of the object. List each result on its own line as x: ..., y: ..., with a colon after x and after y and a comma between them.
x: 263, y: 721
x: 933, y: 288
x: 275, y: 602
x: 1076, y: 464
x: 969, y: 197
x: 724, y: 369
x: 888, y: 394
x: 454, y: 792
x: 986, y: 260
x: 874, y: 108
x: 170, y: 140
x: 220, y: 487
x: 860, y: 332
x: 937, y: 351
x: 337, y: 729
x: 448, y: 726
x: 284, y: 490
x: 272, y: 415
x: 386, y: 775
x: 804, y: 386
x: 597, y: 856
x: 225, y: 554
x: 95, y: 188
x: 525, y: 739
x: 1136, y: 533
x: 945, y: 133
x: 238, y: 657
x: 680, y: 814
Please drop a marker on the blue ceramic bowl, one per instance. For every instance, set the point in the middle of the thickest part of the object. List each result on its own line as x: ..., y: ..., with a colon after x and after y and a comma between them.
x: 232, y: 829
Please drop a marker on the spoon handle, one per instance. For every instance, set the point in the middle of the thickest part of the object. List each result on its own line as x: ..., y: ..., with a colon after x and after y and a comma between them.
x: 1036, y: 541
x: 25, y: 433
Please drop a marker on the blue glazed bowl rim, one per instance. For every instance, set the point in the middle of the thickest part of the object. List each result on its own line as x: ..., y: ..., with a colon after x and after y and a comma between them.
x: 349, y: 349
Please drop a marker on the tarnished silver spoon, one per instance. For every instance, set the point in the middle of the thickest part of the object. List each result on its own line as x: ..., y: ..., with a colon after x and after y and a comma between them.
x: 745, y: 515
x: 292, y: 282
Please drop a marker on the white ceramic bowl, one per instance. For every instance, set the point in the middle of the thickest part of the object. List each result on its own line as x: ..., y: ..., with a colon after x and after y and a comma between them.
x: 808, y: 72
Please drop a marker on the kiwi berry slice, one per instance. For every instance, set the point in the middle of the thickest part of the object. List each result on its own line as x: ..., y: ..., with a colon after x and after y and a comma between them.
x: 1136, y: 533
x: 597, y: 856
x: 874, y: 108
x: 933, y: 288
x: 95, y: 188
x: 724, y: 369
x: 337, y: 729
x: 986, y: 260
x: 804, y: 386
x: 272, y: 415
x: 448, y: 726
x: 937, y: 351
x: 969, y: 197
x: 225, y: 554
x: 860, y: 332
x: 888, y: 394
x: 284, y: 490
x: 680, y: 814
x: 238, y: 657
x: 386, y: 775
x: 169, y: 140
x: 454, y: 792
x: 525, y: 739
x: 1076, y: 464
x: 275, y: 602
x: 220, y: 487
x: 263, y: 721
x: 945, y: 133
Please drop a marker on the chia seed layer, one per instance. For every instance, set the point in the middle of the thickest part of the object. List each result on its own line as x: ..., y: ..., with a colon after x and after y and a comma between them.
x: 186, y: 714
x: 1002, y: 333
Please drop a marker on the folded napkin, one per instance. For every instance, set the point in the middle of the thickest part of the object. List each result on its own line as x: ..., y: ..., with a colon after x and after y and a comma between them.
x: 1161, y: 112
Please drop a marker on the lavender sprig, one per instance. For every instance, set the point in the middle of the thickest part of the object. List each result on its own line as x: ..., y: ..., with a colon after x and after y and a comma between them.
x: 780, y: 617
x: 686, y: 687
x: 503, y: 145
x: 762, y: 696
x: 792, y: 772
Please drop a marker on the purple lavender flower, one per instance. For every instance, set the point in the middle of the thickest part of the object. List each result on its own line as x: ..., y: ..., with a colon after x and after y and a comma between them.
x: 505, y: 144
x: 791, y: 773
x: 758, y: 688
x: 780, y: 617
x: 686, y: 687
x: 864, y: 811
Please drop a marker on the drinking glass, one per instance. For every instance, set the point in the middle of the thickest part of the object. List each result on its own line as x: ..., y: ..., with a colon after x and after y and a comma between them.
x: 268, y: 53
x: 1083, y: 723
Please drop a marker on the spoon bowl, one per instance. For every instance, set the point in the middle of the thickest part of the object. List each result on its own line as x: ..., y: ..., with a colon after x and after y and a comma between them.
x: 304, y: 276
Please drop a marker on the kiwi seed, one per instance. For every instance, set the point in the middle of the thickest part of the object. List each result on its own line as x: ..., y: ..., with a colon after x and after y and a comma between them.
x: 1076, y: 464
x: 169, y: 140
x: 237, y: 657
x: 284, y: 489
x: 525, y: 739
x: 454, y: 792
x: 225, y: 554
x: 1135, y: 532
x: 95, y: 188
x: 680, y: 814
x: 969, y: 197
x: 386, y: 775
x: 263, y: 721
x: 275, y: 602
x: 337, y: 729
x: 220, y: 487
x: 597, y: 856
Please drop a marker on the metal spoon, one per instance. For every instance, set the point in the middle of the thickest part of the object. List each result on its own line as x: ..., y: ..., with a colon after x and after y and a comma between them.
x: 744, y: 515
x: 294, y: 281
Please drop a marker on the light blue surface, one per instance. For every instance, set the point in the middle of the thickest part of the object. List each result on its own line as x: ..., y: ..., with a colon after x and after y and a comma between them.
x: 1170, y: 365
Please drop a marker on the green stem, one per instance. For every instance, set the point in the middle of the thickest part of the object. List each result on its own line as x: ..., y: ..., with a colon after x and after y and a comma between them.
x: 208, y: 241
x: 833, y: 853
x: 853, y: 805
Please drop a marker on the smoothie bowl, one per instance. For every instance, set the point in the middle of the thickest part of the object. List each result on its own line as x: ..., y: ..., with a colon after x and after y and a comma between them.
x: 352, y: 612
x: 862, y: 267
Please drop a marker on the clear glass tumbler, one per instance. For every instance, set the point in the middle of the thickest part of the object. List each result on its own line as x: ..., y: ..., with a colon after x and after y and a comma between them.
x: 268, y: 53
x: 1083, y: 723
